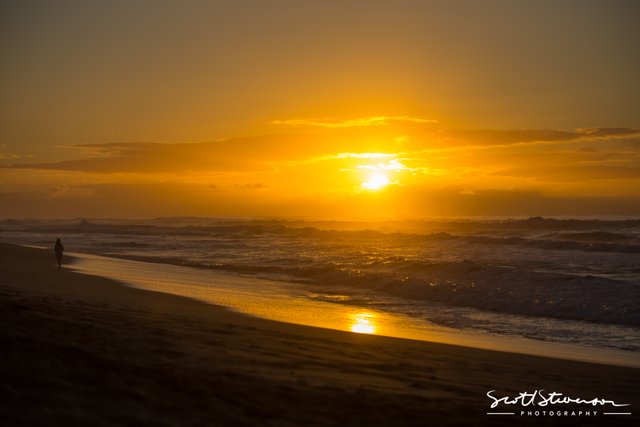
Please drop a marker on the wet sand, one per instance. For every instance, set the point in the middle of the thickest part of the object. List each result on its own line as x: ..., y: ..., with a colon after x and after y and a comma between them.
x: 83, y: 350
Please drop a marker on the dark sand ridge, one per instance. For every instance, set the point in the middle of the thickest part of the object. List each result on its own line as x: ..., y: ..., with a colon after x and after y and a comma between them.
x: 83, y: 350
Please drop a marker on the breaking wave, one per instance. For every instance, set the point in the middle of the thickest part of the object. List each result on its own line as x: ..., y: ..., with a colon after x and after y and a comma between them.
x: 567, y: 269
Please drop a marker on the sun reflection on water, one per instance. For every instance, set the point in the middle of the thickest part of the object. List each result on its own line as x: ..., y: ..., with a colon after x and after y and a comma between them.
x: 363, y: 323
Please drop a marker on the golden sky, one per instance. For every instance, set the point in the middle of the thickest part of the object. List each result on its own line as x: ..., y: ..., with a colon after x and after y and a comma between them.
x: 320, y: 109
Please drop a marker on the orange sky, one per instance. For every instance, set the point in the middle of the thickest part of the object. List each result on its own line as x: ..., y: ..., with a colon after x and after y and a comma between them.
x: 289, y: 108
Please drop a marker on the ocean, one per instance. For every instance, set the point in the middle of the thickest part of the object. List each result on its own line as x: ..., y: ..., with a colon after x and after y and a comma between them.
x: 570, y: 281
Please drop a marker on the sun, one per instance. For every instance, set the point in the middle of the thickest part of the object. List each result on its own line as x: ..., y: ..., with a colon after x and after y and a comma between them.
x: 375, y: 181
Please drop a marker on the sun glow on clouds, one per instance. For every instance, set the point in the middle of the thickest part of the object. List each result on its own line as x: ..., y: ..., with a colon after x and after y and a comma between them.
x: 377, y: 175
x: 375, y: 169
x: 360, y: 122
x: 338, y: 173
x: 391, y: 165
x: 364, y: 155
x: 375, y: 181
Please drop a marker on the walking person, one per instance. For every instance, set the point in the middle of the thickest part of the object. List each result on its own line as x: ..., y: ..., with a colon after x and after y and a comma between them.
x: 58, y: 250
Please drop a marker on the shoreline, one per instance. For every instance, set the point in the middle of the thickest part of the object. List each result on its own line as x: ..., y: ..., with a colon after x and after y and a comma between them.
x: 84, y: 349
x: 281, y: 301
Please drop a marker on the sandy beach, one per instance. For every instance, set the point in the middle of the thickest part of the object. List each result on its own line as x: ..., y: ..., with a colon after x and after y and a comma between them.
x: 83, y: 350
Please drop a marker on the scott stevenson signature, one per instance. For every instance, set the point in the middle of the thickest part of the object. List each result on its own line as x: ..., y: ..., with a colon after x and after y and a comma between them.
x: 538, y: 398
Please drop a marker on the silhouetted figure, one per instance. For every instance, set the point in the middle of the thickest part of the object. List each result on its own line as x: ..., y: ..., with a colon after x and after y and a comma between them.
x: 58, y: 250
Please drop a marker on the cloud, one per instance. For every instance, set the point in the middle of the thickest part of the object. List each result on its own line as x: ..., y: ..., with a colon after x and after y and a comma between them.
x: 360, y: 122
x: 609, y: 132
x: 251, y: 186
x: 442, y: 139
x: 492, y: 137
x: 258, y: 153
x: 149, y: 157
x: 112, y: 199
x: 391, y: 165
x: 438, y: 172
x: 501, y: 137
x: 172, y: 199
x: 422, y: 200
x: 5, y: 155
x: 573, y: 173
x: 363, y: 156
